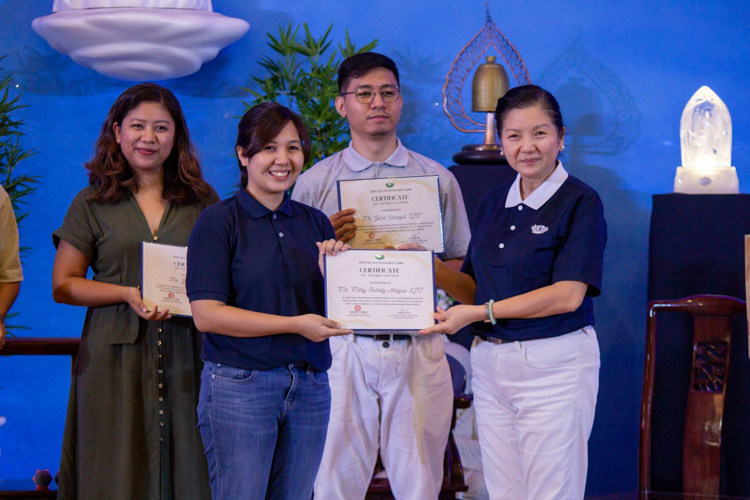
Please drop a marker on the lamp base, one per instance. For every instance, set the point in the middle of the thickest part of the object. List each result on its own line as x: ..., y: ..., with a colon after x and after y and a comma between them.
x: 480, y: 154
x: 714, y: 180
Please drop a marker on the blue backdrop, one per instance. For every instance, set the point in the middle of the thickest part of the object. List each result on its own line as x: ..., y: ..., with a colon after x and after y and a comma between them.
x: 623, y: 70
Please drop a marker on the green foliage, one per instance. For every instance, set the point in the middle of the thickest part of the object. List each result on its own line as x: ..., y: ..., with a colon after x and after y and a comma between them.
x: 302, y: 76
x: 11, y: 154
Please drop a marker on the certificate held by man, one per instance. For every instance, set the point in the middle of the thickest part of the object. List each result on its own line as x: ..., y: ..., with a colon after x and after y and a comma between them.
x: 393, y: 211
x: 381, y: 290
x: 163, y: 271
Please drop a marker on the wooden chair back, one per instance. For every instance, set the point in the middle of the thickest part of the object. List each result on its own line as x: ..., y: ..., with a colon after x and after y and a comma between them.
x: 712, y: 343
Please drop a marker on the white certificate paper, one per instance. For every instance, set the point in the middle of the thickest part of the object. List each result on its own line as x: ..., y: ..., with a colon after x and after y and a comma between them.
x: 163, y: 272
x: 381, y: 289
x: 395, y: 210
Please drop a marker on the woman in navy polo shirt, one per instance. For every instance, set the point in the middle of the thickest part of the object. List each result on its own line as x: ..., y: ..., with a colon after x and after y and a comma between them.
x: 256, y: 290
x: 533, y: 265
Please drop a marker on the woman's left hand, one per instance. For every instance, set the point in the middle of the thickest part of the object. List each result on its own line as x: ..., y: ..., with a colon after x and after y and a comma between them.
x: 454, y: 319
x: 329, y: 247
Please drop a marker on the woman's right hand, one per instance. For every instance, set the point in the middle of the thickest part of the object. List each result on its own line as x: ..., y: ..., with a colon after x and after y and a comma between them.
x: 454, y: 319
x: 317, y: 328
x: 133, y: 298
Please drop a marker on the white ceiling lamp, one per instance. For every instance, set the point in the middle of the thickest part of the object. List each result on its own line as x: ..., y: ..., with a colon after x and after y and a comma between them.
x: 139, y: 40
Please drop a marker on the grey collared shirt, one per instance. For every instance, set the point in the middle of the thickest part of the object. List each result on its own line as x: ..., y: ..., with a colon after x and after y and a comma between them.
x: 317, y: 188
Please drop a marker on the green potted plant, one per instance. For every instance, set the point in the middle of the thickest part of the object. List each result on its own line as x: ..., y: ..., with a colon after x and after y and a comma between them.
x: 302, y: 76
x: 12, y: 152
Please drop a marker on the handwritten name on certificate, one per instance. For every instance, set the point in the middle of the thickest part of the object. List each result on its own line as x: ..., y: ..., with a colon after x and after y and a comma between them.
x: 395, y: 210
x: 163, y: 274
x: 381, y: 289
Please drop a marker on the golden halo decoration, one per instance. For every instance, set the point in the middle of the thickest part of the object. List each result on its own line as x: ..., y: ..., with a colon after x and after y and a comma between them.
x: 489, y: 36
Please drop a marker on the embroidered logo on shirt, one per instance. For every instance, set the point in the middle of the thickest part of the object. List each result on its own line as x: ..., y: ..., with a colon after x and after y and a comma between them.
x: 539, y: 229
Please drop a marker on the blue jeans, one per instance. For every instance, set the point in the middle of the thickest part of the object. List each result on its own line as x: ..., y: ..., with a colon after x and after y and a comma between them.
x: 263, y: 430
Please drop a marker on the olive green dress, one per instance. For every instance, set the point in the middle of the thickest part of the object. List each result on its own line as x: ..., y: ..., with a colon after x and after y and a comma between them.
x: 131, y: 430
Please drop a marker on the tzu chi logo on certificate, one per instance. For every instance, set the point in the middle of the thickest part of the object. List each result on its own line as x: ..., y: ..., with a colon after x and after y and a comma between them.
x: 393, y: 211
x: 381, y: 289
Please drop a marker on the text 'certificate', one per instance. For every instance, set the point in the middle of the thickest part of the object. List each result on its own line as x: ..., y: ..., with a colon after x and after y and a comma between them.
x: 395, y: 210
x: 163, y: 272
x: 381, y: 289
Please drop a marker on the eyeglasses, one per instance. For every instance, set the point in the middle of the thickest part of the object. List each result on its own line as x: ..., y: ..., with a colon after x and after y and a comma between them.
x: 366, y: 95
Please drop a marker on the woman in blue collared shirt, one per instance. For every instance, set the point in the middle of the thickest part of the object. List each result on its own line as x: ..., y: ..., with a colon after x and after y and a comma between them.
x: 533, y: 265
x: 256, y: 290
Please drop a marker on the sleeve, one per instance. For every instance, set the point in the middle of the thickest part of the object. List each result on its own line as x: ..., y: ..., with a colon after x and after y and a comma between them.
x: 79, y: 227
x: 327, y: 227
x: 209, y: 259
x: 456, y: 234
x: 10, y: 262
x: 581, y: 257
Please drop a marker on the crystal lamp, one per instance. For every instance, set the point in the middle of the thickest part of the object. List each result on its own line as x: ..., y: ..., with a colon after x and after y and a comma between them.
x: 706, y: 146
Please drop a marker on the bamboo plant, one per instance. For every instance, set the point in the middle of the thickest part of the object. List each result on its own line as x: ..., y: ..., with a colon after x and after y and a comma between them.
x: 302, y: 76
x: 12, y: 152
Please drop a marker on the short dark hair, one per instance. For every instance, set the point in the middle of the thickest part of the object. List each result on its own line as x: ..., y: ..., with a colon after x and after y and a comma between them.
x: 260, y: 125
x: 109, y: 171
x: 528, y: 96
x: 360, y: 64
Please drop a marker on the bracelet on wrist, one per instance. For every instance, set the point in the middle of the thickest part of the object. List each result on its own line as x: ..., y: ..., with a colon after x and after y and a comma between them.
x: 491, y: 314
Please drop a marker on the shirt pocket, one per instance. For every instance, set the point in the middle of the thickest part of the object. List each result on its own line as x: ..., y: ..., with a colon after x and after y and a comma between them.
x: 534, y: 256
x: 232, y: 373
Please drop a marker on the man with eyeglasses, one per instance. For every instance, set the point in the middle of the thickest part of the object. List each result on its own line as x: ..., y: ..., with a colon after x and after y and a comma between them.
x: 391, y: 393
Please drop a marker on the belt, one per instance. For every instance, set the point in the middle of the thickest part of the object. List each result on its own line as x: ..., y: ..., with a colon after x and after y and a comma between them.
x: 495, y: 340
x: 385, y: 337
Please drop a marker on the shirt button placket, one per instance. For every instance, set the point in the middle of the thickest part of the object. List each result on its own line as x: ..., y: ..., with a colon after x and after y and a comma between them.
x: 160, y: 378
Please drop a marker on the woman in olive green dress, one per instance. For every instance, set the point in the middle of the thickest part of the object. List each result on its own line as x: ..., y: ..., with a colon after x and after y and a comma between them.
x: 131, y: 430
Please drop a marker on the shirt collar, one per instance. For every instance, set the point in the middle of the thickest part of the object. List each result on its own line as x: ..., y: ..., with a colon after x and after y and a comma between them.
x: 256, y: 209
x: 358, y: 163
x: 541, y: 194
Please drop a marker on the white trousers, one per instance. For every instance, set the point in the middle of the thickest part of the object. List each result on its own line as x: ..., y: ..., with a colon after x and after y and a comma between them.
x: 398, y: 399
x: 535, y: 406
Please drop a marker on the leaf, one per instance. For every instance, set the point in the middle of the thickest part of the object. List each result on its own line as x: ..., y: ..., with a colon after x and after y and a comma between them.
x: 302, y: 75
x: 12, y: 153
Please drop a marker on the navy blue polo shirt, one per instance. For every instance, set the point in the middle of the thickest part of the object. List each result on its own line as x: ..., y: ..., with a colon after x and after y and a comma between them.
x: 557, y: 234
x: 247, y: 256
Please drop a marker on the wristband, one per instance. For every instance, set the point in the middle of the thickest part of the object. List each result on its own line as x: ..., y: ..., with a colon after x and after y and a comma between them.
x: 488, y: 316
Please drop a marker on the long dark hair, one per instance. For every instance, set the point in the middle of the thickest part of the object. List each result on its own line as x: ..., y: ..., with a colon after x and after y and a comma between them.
x: 528, y: 96
x: 109, y: 171
x: 260, y: 125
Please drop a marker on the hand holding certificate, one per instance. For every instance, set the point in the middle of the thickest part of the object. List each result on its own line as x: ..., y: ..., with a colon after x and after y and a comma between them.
x: 163, y: 271
x: 393, y: 211
x: 381, y: 289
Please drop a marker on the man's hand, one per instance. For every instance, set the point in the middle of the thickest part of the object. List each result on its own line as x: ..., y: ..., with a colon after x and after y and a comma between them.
x: 343, y: 224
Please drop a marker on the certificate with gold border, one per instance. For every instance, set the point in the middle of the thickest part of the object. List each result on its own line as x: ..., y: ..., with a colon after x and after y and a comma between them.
x: 163, y: 273
x: 381, y: 290
x: 394, y: 210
